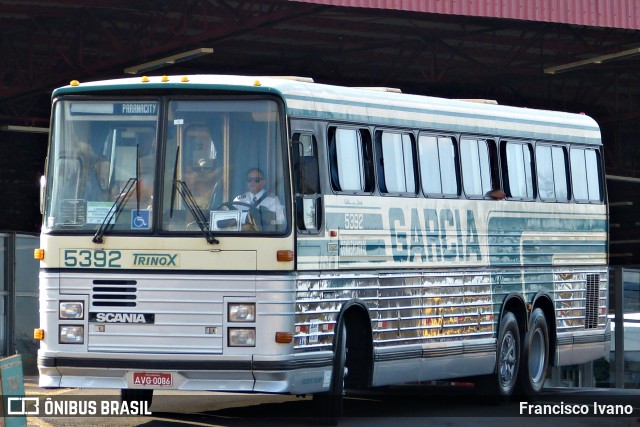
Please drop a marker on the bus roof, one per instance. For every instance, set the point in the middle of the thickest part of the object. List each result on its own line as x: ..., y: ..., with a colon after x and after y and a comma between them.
x: 305, y: 99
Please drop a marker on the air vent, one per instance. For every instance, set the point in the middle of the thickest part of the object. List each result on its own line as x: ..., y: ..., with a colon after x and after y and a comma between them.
x: 382, y: 89
x: 114, y: 293
x: 294, y: 78
x: 480, y: 101
x: 592, y: 303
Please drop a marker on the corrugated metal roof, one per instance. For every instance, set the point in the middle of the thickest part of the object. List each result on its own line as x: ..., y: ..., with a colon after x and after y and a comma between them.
x: 596, y: 13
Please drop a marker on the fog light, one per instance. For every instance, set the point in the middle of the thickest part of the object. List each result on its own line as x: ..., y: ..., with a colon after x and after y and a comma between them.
x: 71, y: 334
x: 242, y: 312
x: 71, y: 310
x: 245, y: 337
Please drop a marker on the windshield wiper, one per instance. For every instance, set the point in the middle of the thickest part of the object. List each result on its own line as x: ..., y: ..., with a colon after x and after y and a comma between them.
x: 115, y: 209
x: 120, y: 201
x: 175, y: 178
x: 192, y: 205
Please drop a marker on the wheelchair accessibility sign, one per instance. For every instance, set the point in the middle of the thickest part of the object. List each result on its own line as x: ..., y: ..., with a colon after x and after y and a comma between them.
x: 140, y: 219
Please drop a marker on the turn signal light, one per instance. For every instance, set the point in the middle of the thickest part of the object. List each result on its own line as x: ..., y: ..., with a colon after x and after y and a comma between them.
x: 284, y: 337
x: 38, y: 254
x: 284, y: 256
x: 38, y: 334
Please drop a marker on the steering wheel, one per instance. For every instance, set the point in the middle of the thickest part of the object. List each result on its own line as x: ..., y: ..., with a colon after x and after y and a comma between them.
x: 253, y: 214
x: 232, y: 205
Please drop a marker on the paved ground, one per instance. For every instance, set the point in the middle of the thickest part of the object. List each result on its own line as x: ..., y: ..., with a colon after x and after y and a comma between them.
x: 406, y: 406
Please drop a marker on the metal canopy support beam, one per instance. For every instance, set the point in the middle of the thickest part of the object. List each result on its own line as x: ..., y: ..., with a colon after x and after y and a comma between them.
x: 595, y: 60
x: 169, y: 60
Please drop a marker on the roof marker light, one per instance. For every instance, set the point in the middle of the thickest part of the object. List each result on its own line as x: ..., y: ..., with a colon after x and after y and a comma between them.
x: 74, y: 83
x: 257, y: 83
x: 164, y: 79
x: 145, y: 79
x: 184, y: 79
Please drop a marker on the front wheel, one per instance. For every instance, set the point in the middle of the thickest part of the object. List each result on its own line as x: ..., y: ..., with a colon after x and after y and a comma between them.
x: 129, y: 395
x: 331, y: 403
x: 535, y: 355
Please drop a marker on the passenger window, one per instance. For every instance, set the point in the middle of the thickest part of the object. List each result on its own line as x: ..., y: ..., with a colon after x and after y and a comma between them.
x: 551, y: 166
x: 438, y: 165
x: 396, y: 163
x: 350, y: 152
x: 519, y: 166
x: 585, y: 175
x: 479, y: 175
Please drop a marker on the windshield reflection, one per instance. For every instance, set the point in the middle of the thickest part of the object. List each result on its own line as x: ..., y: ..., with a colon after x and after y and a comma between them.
x: 214, y: 147
x: 227, y: 154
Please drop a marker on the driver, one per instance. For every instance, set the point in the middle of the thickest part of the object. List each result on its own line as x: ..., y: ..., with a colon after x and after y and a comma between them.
x: 257, y: 197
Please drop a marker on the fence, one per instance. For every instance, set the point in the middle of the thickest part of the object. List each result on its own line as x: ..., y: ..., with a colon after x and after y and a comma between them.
x: 19, y: 292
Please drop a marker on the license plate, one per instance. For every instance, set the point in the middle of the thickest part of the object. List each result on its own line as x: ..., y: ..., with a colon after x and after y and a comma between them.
x: 153, y: 379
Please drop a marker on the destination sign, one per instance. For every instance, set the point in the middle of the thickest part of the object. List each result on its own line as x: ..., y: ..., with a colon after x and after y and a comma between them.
x: 117, y: 108
x: 137, y: 108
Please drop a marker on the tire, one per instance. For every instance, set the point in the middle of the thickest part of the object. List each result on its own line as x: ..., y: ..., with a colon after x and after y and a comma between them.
x: 499, y: 386
x: 535, y: 355
x: 331, y: 404
x: 139, y: 395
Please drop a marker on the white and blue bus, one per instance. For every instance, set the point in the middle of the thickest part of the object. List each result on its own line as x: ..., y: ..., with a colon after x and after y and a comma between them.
x: 406, y: 238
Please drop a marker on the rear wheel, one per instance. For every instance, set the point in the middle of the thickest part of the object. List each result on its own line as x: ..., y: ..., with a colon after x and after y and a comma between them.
x: 500, y: 385
x: 535, y: 355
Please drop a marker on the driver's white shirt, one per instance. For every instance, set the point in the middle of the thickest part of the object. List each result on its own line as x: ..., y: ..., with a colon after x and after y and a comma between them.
x: 270, y: 202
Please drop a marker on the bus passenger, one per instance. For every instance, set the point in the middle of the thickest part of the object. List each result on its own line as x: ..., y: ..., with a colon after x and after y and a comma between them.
x: 268, y: 205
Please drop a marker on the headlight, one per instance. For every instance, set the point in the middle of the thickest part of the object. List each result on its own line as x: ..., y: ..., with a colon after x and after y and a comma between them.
x: 71, y: 334
x: 71, y: 310
x: 245, y: 337
x: 242, y: 312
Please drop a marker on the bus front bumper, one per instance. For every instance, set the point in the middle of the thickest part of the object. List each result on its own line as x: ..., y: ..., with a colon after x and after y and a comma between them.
x: 295, y: 374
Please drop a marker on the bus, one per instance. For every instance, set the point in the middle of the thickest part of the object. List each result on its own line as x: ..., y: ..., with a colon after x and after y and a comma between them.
x: 407, y: 239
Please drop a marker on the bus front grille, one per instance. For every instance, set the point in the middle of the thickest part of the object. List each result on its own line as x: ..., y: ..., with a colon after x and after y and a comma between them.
x: 114, y: 293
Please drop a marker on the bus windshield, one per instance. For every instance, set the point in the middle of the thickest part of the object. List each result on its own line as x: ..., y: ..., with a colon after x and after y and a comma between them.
x: 181, y: 166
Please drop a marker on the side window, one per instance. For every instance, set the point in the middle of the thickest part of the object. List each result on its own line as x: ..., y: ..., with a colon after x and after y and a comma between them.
x: 306, y: 182
x: 479, y: 173
x: 438, y: 171
x: 350, y: 153
x: 585, y: 175
x: 518, y: 163
x: 396, y: 152
x: 551, y: 165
